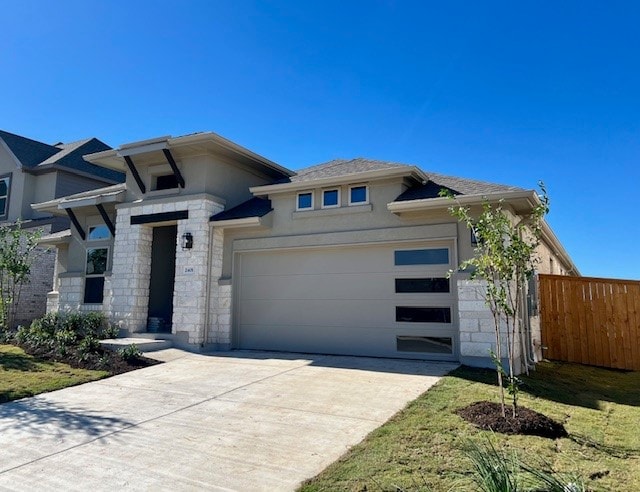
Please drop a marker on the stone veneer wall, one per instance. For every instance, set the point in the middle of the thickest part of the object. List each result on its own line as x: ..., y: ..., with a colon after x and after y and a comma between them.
x: 477, y: 332
x: 219, y: 326
x: 127, y: 292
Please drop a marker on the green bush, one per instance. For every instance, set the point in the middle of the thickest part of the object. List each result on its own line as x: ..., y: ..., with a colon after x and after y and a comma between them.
x: 129, y: 352
x: 65, y: 333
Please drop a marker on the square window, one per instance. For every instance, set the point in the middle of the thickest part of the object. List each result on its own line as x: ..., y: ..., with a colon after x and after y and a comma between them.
x: 330, y: 198
x: 358, y: 195
x: 305, y: 201
x: 98, y: 232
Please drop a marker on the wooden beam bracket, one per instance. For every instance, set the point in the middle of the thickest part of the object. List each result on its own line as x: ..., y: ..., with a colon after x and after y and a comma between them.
x: 174, y: 167
x: 75, y: 222
x: 107, y: 219
x: 135, y: 174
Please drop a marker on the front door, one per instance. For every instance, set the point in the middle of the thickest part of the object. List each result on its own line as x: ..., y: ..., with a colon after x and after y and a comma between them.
x: 163, y: 271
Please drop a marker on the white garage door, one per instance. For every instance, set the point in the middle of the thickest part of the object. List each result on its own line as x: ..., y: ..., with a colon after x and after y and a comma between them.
x: 376, y: 300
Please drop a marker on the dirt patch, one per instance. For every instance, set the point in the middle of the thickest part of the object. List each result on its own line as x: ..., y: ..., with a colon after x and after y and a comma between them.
x: 488, y: 416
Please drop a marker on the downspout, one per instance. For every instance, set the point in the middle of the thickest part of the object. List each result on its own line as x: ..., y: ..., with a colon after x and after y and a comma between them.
x: 207, y: 301
x: 525, y: 334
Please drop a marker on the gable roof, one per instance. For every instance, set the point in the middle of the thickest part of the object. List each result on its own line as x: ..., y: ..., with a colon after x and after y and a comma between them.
x: 37, y: 156
x: 29, y: 152
x: 70, y: 156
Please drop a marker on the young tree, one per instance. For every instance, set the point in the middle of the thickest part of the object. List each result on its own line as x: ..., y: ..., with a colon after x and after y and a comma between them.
x: 16, y: 257
x: 505, y: 258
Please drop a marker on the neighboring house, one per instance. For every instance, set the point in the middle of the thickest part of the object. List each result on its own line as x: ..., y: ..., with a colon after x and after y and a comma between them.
x: 214, y: 246
x: 30, y: 172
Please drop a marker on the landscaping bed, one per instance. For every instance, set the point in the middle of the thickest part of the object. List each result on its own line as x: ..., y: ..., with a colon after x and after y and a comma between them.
x: 425, y: 446
x: 67, y: 344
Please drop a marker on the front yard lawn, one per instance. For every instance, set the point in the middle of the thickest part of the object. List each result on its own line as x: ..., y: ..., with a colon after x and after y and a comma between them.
x: 23, y: 375
x: 421, y: 447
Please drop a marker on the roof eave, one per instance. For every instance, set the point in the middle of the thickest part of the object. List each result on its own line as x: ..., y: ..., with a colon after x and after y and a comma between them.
x: 554, y: 243
x: 114, y: 159
x: 524, y: 200
x: 264, y: 221
x: 409, y: 171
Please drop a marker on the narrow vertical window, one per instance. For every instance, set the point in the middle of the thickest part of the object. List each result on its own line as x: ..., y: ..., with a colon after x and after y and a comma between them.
x: 5, y: 183
x: 94, y: 275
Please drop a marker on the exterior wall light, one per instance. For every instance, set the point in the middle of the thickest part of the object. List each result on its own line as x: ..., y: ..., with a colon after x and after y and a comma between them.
x: 187, y: 241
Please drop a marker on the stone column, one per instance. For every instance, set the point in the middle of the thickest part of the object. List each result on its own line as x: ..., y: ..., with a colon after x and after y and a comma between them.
x: 130, y: 273
x: 192, y: 273
x: 219, y: 329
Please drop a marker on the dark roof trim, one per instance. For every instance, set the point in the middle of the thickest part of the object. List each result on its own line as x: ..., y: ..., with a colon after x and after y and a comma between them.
x: 161, y: 217
x: 255, y: 207
x: 420, y: 192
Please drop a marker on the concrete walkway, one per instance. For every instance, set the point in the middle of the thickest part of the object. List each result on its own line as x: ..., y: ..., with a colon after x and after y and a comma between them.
x: 229, y: 421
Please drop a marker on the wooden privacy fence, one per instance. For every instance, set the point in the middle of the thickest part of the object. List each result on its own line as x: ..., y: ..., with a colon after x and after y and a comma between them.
x: 592, y: 321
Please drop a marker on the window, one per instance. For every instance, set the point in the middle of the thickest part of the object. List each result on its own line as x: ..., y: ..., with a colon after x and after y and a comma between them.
x: 428, y: 285
x: 94, y: 280
x: 413, y: 314
x: 98, y: 232
x: 305, y: 201
x: 166, y: 182
x: 358, y: 195
x: 331, y: 198
x: 5, y: 182
x: 433, y: 345
x: 434, y: 256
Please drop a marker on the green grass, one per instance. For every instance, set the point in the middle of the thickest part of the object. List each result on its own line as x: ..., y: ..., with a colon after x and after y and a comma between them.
x: 22, y: 375
x: 421, y: 447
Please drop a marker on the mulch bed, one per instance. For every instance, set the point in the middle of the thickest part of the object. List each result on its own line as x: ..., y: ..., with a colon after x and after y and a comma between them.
x: 488, y: 416
x: 102, y: 360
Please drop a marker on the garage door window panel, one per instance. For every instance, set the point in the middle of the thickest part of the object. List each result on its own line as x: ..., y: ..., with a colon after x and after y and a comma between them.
x: 431, y: 345
x: 422, y: 285
x: 426, y: 256
x: 416, y: 314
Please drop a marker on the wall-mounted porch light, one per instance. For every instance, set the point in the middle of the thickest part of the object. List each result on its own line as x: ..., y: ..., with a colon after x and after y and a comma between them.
x: 187, y: 241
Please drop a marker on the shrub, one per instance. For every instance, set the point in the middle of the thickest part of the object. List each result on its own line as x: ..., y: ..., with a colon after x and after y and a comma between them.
x: 65, y: 333
x: 129, y: 352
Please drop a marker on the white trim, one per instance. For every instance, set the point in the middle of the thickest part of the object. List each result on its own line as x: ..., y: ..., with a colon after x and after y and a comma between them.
x: 238, y: 223
x: 412, y: 171
x: 337, y: 205
x: 366, y: 200
x: 309, y: 192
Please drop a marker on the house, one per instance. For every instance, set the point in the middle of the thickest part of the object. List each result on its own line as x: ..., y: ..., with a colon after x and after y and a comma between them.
x: 215, y: 247
x: 32, y: 171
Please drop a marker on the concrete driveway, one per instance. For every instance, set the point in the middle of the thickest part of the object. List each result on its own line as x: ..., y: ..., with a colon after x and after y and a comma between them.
x: 228, y: 421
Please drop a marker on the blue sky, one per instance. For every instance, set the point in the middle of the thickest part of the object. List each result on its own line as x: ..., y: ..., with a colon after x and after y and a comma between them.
x: 510, y: 92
